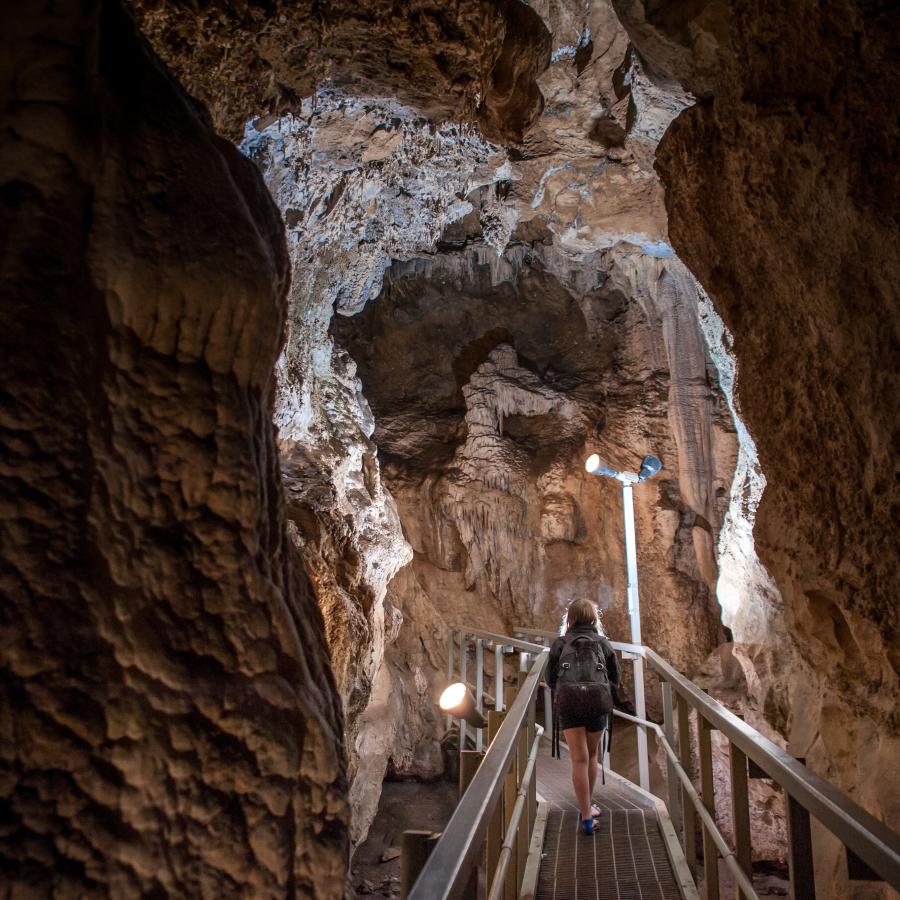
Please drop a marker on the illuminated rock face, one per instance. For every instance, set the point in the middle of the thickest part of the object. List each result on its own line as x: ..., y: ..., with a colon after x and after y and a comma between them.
x: 360, y: 183
x: 490, y: 380
x: 367, y: 187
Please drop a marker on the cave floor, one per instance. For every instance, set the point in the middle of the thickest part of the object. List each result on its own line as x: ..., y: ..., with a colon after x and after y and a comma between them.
x: 403, y: 805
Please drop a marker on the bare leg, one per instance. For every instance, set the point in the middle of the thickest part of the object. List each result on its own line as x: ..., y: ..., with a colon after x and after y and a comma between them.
x: 593, y: 746
x: 576, y: 739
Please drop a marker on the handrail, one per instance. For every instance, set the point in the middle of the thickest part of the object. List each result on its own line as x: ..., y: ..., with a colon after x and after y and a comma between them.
x: 498, y: 885
x: 727, y: 853
x: 446, y: 872
x: 637, y: 649
x: 871, y: 840
x: 505, y: 640
x: 540, y: 632
x: 451, y: 864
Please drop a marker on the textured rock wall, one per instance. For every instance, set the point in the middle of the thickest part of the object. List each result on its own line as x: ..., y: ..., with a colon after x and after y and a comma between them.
x: 472, y: 60
x: 169, y: 724
x: 773, y: 206
x: 522, y: 365
x: 359, y: 183
x: 782, y: 195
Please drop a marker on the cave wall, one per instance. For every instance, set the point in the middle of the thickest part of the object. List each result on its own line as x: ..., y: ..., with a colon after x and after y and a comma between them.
x: 356, y: 156
x: 472, y: 60
x: 780, y: 192
x: 364, y: 181
x: 491, y: 379
x: 359, y: 182
x: 782, y: 196
x: 170, y: 724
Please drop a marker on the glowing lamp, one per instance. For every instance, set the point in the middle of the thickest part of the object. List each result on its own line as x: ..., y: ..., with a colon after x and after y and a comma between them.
x: 458, y: 701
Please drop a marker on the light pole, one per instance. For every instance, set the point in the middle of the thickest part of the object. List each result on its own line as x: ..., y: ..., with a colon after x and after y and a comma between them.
x: 649, y: 467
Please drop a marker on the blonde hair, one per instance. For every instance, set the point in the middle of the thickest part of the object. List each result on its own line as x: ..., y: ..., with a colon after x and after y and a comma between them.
x: 582, y: 612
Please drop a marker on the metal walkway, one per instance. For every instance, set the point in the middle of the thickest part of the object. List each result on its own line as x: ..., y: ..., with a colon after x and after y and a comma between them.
x: 501, y: 842
x: 626, y: 859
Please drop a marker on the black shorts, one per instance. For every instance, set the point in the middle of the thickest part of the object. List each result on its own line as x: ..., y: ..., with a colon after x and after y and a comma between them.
x: 580, y: 708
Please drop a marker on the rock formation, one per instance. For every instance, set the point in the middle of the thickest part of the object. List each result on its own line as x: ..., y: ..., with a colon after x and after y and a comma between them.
x: 470, y: 60
x: 790, y: 223
x: 360, y: 183
x: 170, y: 713
x: 169, y: 717
x: 485, y: 454
x: 200, y: 609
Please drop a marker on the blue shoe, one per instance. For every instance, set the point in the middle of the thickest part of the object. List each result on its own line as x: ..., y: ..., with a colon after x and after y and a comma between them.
x: 587, y: 826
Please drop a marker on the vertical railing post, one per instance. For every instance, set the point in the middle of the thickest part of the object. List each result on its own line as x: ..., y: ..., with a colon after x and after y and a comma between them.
x: 521, y: 851
x: 640, y: 708
x: 495, y: 826
x: 469, y: 762
x: 688, y: 815
x: 463, y: 660
x: 479, y: 688
x: 740, y: 812
x: 800, y: 857
x: 671, y: 774
x: 498, y: 678
x: 707, y: 791
x: 530, y: 730
x: 415, y: 848
x: 451, y: 642
x: 510, y: 789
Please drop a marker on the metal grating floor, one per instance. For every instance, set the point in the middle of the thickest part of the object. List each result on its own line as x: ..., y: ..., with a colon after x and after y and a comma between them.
x: 626, y: 858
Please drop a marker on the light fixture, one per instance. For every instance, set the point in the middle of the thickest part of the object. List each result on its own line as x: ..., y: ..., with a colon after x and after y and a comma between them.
x: 458, y: 701
x: 650, y: 466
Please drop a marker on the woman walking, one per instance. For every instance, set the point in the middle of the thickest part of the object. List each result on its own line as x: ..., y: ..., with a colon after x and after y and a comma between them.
x: 583, y: 672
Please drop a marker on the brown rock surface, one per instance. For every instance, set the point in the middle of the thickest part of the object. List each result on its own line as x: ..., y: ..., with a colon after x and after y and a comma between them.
x: 169, y: 720
x: 365, y: 181
x: 491, y: 379
x: 473, y: 60
x: 782, y: 193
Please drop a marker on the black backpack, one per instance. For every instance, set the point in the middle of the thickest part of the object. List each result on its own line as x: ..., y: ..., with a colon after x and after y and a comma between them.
x: 582, y: 672
x: 583, y: 662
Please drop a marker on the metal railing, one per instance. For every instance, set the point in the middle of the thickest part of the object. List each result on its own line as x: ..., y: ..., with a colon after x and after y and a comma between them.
x: 806, y: 794
x: 707, y: 817
x: 502, y: 788
x: 863, y: 836
x: 490, y: 831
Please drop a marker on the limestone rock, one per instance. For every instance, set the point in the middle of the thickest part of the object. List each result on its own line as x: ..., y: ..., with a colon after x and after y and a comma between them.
x: 360, y: 183
x: 471, y: 61
x: 485, y: 456
x: 790, y: 223
x: 170, y: 724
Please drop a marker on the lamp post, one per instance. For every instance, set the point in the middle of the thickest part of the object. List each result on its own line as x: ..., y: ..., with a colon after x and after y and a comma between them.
x: 649, y: 467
